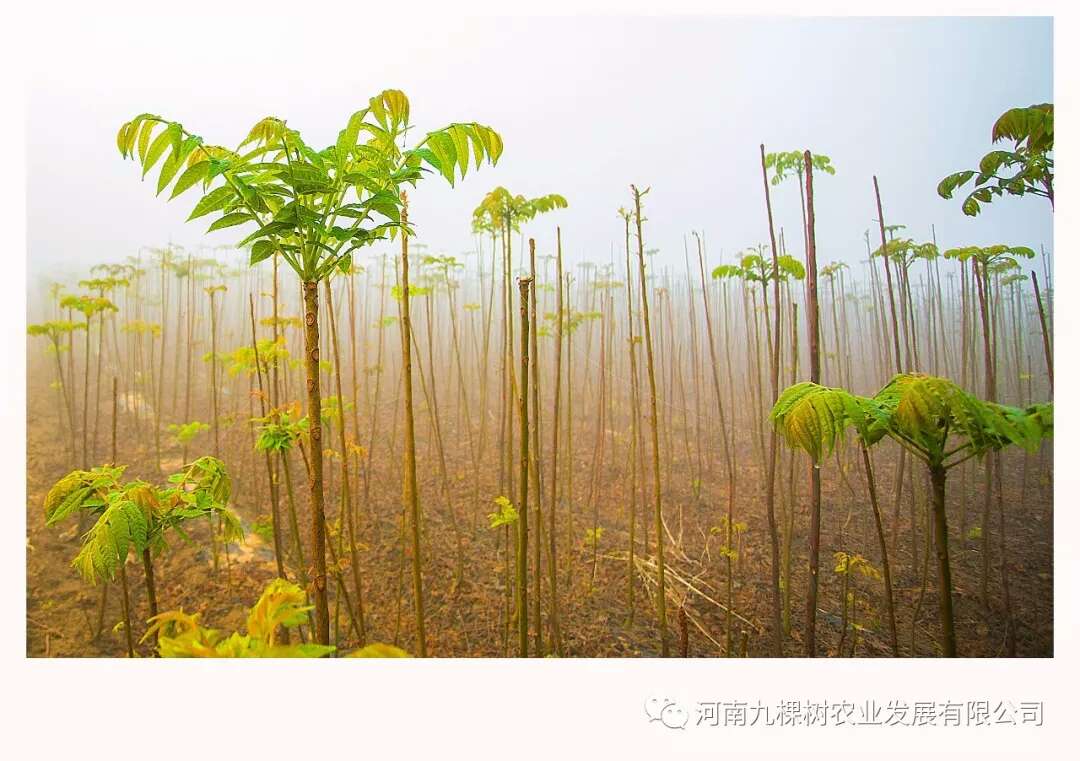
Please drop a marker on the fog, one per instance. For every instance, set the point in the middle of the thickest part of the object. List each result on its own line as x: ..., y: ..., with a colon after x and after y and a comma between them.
x: 585, y: 107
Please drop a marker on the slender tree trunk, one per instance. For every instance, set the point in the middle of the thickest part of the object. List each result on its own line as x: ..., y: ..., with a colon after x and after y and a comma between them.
x: 534, y: 367
x: 885, y: 569
x: 346, y: 501
x: 770, y: 485
x: 315, y: 476
x: 97, y: 383
x: 813, y: 334
x: 67, y: 401
x: 941, y: 546
x: 294, y: 523
x: 897, y: 363
x: 214, y: 376
x: 113, y: 449
x: 635, y: 418
x: 86, y: 398
x: 661, y: 599
x: 729, y: 465
x: 411, y: 497
x: 523, y: 482
x: 552, y: 565
x: 151, y: 591
x: 1045, y: 333
x: 275, y: 508
x: 214, y: 415
x: 982, y: 285
x: 125, y: 601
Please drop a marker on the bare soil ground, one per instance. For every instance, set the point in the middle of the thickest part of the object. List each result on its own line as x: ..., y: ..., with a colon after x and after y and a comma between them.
x: 465, y: 618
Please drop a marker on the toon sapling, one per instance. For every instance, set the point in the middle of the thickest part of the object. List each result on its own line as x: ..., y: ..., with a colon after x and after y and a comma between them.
x: 137, y: 515
x: 1027, y: 169
x: 88, y: 306
x: 934, y: 420
x: 850, y: 566
x: 55, y: 331
x: 313, y: 208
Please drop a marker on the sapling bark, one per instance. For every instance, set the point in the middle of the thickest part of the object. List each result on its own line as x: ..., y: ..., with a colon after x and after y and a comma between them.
x: 813, y: 334
x: 534, y: 463
x: 411, y: 499
x: 661, y: 599
x: 729, y: 465
x: 635, y: 416
x: 1047, y: 354
x: 553, y: 570
x: 522, y: 580
x: 346, y: 512
x: 432, y: 402
x: 275, y: 510
x: 885, y: 568
x: 770, y: 485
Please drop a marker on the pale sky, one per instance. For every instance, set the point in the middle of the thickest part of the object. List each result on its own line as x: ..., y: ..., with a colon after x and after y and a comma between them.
x: 585, y: 106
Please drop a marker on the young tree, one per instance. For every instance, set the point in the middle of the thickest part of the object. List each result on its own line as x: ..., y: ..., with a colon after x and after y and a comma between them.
x: 524, y: 288
x: 501, y: 212
x: 987, y: 263
x: 831, y: 410
x: 658, y: 515
x: 137, y: 515
x: 55, y: 331
x: 934, y: 420
x: 1027, y: 169
x: 314, y: 208
x: 88, y: 306
x: 813, y: 338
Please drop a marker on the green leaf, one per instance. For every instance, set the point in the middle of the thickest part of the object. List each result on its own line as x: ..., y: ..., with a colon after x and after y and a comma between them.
x: 168, y: 171
x: 194, y: 173
x: 144, y: 138
x: 230, y: 220
x: 213, y: 201
x: 306, y: 179
x: 273, y: 228
x: 156, y: 150
x: 263, y: 249
x: 442, y: 146
x: 347, y: 137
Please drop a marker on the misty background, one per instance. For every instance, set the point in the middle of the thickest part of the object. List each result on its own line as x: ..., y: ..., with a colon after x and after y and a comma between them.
x: 585, y: 107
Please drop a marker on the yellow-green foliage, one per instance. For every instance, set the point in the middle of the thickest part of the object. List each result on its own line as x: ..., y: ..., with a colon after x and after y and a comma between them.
x: 281, y: 605
x: 87, y: 305
x: 54, y: 329
x: 78, y: 490
x: 924, y: 413
x: 137, y: 514
x: 141, y: 326
x: 505, y: 515
x: 242, y: 359
x: 121, y: 526
x: 847, y: 563
x: 262, y: 180
x: 814, y: 418
x: 924, y: 410
x: 332, y: 409
x: 206, y: 474
x: 186, y: 432
x: 500, y: 208
x: 280, y: 430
